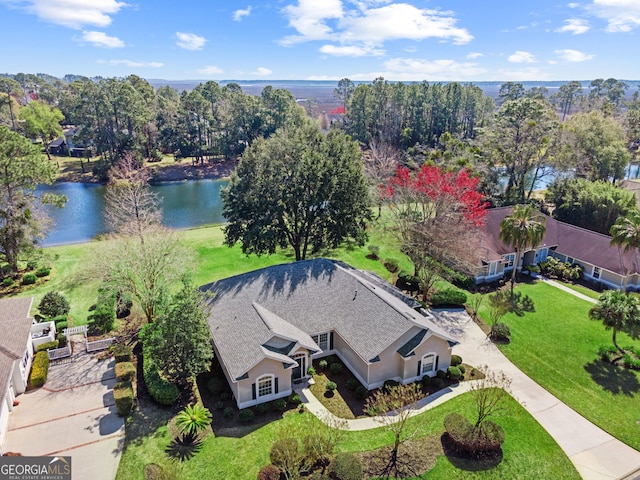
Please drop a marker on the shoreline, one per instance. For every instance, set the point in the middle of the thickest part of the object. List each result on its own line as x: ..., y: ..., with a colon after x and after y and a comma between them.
x: 176, y: 172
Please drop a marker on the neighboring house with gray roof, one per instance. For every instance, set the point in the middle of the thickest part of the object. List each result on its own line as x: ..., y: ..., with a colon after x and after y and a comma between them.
x: 268, y: 325
x: 16, y: 353
x: 603, y: 263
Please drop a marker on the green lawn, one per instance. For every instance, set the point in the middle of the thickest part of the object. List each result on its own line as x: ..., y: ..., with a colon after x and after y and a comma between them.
x: 529, y: 452
x: 581, y: 289
x: 556, y: 346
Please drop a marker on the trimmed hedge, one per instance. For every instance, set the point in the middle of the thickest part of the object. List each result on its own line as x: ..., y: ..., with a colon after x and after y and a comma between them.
x: 43, y: 272
x: 361, y: 392
x: 245, y: 415
x: 123, y: 395
x: 47, y: 346
x: 456, y: 360
x: 125, y: 371
x: 162, y: 391
x: 454, y: 373
x: 449, y: 296
x: 121, y: 352
x: 40, y: 369
x: 29, y: 279
x: 336, y: 368
x: 487, y: 439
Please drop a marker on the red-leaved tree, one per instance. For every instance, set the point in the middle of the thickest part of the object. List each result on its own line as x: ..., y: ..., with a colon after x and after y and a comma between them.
x: 436, y: 214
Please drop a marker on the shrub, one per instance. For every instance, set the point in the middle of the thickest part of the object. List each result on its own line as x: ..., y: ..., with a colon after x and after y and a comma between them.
x: 103, y: 317
x: 441, y: 374
x: 43, y: 272
x: 500, y: 331
x: 161, y: 390
x: 121, y: 352
x: 29, y: 279
x: 352, y: 384
x: 408, y: 281
x: 462, y: 369
x: 285, y: 454
x: 123, y: 395
x: 245, y: 415
x: 40, y: 369
x: 215, y: 385
x: 7, y: 282
x: 62, y: 340
x: 322, y: 364
x: 336, y: 368
x: 124, y: 302
x: 269, y: 472
x: 449, y: 296
x: 60, y: 326
x: 454, y: 373
x: 260, y: 408
x: 554, y: 268
x: 388, y: 384
x: 311, y: 371
x: 47, y: 346
x: 476, y: 442
x: 391, y: 264
x: 361, y: 392
x: 374, y: 251
x: 605, y: 352
x: 295, y: 399
x: 280, y: 405
x: 59, y: 319
x: 32, y: 264
x: 331, y: 386
x: 225, y: 395
x: 228, y: 412
x: 426, y: 381
x: 125, y: 371
x: 437, y: 383
x: 456, y: 360
x: 346, y: 466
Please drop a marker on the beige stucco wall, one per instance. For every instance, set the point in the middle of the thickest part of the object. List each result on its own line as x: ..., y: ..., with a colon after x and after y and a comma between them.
x: 20, y: 373
x: 244, y: 396
x: 356, y: 364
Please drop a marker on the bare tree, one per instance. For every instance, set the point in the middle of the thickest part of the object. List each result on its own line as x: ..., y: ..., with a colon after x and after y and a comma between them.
x: 393, y: 407
x: 131, y: 208
x: 490, y: 394
x: 380, y: 163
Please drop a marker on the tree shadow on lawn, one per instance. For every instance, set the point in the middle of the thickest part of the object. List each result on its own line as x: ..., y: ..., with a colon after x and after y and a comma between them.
x: 614, y: 379
x: 469, y: 464
x: 183, y: 448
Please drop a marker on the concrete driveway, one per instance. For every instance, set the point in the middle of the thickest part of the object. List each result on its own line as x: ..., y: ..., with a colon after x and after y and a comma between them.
x: 73, y: 414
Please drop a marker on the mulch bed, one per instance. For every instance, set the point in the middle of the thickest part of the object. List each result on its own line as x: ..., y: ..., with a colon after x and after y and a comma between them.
x: 415, y: 457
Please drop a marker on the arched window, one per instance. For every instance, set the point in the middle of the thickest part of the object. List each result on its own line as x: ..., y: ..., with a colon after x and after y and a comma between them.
x: 264, y: 386
x: 429, y: 363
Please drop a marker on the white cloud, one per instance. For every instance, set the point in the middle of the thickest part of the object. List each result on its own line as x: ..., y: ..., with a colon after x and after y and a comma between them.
x: 473, y: 55
x: 210, y: 70
x: 262, y: 72
x: 573, y: 56
x: 351, y: 51
x: 190, y: 41
x: 100, y: 39
x: 411, y: 69
x: 131, y: 64
x: 364, y: 29
x: 573, y: 5
x: 240, y: 13
x: 71, y: 13
x: 621, y: 15
x: 575, y: 26
x: 521, y: 57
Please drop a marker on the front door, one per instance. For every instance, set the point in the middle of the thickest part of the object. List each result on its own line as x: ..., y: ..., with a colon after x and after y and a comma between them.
x: 299, y: 371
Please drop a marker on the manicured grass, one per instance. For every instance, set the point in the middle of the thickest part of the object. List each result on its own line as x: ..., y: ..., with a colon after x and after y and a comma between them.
x: 556, y: 346
x: 529, y: 452
x: 72, y: 264
x: 581, y: 289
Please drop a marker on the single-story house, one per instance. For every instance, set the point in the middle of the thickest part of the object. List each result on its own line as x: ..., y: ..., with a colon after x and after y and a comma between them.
x: 16, y: 354
x: 602, y: 262
x: 268, y: 325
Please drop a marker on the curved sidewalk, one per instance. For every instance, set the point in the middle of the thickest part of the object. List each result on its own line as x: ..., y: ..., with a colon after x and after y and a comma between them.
x: 595, y: 454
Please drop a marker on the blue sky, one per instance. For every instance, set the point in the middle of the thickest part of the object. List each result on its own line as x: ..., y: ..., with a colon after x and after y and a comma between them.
x: 434, y: 40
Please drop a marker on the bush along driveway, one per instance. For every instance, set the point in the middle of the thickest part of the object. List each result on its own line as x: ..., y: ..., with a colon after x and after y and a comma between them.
x: 73, y: 414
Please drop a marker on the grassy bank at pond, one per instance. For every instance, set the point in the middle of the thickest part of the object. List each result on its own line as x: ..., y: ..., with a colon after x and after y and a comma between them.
x: 214, y: 260
x: 529, y: 452
x: 556, y: 346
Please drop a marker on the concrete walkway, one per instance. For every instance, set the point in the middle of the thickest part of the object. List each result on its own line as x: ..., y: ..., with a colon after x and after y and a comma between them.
x: 595, y: 454
x: 73, y: 414
x: 564, y: 288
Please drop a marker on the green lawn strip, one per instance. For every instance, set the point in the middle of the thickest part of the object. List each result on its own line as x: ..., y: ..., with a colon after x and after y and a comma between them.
x: 581, y: 289
x: 529, y: 452
x: 556, y: 346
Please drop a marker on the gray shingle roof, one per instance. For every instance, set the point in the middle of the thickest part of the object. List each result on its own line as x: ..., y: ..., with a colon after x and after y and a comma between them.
x: 311, y: 296
x: 15, y: 328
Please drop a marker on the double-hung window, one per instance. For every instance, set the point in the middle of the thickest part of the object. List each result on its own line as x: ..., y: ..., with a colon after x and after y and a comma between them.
x: 322, y: 340
x: 596, y: 272
x: 428, y: 363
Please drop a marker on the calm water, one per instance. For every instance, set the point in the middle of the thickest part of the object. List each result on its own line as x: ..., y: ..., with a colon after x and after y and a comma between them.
x: 184, y: 204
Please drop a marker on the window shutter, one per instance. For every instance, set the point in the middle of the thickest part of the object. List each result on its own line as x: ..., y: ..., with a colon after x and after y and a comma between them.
x: 419, y: 368
x: 253, y: 391
x: 276, y: 385
x: 437, y: 358
x: 331, y: 341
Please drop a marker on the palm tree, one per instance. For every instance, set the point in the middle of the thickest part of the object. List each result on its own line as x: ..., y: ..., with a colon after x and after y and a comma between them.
x: 626, y: 234
x: 523, y: 229
x: 617, y: 311
x: 193, y: 419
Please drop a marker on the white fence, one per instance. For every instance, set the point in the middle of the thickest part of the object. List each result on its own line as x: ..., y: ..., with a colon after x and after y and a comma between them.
x: 99, y: 344
x: 56, y: 353
x: 75, y: 330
